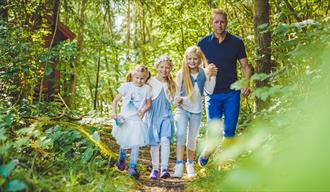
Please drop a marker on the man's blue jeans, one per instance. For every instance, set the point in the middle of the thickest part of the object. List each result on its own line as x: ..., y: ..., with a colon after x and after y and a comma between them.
x: 227, y: 104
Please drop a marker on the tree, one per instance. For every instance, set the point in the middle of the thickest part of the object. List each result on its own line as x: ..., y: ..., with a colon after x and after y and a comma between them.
x: 263, y: 42
x: 3, y: 10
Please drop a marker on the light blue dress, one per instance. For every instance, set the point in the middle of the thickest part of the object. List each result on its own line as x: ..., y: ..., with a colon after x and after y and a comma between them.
x: 159, y: 119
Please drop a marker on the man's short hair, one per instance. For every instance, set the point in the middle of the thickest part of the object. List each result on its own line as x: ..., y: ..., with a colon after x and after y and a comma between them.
x: 218, y: 12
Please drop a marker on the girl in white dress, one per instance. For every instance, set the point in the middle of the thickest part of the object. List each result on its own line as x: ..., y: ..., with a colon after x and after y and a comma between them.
x: 129, y: 130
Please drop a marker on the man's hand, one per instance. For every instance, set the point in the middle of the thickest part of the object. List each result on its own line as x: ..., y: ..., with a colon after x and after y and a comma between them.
x: 245, y: 91
x: 211, y: 70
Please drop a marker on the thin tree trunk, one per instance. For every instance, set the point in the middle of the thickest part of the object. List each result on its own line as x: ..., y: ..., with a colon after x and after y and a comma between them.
x: 77, y: 63
x: 97, y: 80
x: 128, y: 31
x: 263, y: 41
x: 3, y: 10
x: 292, y: 11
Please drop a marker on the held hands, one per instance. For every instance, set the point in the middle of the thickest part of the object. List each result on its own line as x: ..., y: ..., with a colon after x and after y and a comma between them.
x: 178, y: 101
x: 211, y: 70
x: 141, y: 114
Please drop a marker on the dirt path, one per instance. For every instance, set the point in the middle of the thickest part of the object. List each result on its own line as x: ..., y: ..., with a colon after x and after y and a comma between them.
x: 145, y: 167
x: 169, y: 184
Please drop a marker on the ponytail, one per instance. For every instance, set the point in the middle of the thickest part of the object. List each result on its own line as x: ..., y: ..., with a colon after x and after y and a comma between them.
x: 129, y: 77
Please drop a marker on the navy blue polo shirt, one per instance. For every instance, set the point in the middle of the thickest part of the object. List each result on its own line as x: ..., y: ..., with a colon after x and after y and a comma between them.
x: 224, y: 55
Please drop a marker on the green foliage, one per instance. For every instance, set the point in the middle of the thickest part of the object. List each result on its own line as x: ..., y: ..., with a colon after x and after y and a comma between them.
x: 5, y: 182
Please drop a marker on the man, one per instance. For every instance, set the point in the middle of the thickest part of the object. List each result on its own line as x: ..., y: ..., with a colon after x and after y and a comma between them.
x: 222, y: 50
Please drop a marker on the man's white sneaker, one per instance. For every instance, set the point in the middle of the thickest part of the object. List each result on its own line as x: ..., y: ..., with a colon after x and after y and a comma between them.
x: 178, y: 170
x: 190, y: 169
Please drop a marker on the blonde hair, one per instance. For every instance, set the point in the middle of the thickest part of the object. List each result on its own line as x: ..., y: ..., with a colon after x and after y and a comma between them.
x: 218, y: 12
x: 186, y: 70
x: 170, y: 81
x: 138, y: 69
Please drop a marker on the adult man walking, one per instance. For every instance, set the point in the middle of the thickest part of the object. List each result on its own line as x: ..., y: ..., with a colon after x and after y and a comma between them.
x: 222, y: 51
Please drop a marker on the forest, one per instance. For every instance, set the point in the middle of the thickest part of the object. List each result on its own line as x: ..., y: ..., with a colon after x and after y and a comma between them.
x: 61, y: 62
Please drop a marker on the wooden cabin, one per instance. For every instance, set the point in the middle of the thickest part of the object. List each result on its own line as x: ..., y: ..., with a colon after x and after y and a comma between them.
x: 51, y: 83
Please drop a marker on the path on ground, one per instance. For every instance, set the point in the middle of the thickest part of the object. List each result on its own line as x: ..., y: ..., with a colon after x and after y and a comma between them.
x: 144, y: 182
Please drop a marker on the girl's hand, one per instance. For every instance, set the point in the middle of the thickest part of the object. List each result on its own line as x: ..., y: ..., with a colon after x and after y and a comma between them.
x: 114, y: 116
x: 141, y: 114
x: 211, y: 70
x: 178, y: 101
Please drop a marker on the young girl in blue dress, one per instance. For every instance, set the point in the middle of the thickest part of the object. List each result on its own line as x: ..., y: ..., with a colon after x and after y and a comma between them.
x: 192, y: 81
x: 159, y: 118
x: 129, y: 130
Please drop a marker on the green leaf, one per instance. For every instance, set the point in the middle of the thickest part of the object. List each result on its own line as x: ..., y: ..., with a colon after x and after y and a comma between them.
x: 281, y: 29
x: 259, y: 77
x: 96, y: 136
x: 15, y: 185
x: 237, y: 85
x: 2, y: 180
x: 264, y: 28
x: 8, y: 119
x: 5, y: 170
x: 87, y: 155
x: 21, y: 141
x: 48, y: 70
x: 3, y: 136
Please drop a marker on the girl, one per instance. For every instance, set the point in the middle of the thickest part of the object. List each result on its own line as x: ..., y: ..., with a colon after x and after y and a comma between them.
x: 129, y: 130
x: 159, y: 118
x: 191, y: 81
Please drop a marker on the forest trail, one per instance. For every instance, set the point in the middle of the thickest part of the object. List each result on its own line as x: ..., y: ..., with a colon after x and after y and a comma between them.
x: 145, y: 184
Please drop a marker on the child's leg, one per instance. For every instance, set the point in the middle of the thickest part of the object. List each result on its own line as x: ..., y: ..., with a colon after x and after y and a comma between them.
x: 154, y: 151
x: 134, y: 156
x: 194, y: 124
x: 165, y: 155
x: 165, y: 152
x: 121, y: 164
x: 122, y: 154
x: 181, y: 133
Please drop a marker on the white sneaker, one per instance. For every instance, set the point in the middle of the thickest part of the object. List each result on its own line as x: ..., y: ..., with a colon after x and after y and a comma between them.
x: 190, y: 169
x: 178, y: 170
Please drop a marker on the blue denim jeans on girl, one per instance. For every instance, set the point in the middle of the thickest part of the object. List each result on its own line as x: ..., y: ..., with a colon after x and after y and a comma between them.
x: 186, y: 121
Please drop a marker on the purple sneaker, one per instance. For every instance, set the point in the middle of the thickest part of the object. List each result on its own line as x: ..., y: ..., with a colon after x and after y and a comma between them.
x: 121, y: 165
x: 154, y: 174
x: 133, y: 172
x: 165, y: 174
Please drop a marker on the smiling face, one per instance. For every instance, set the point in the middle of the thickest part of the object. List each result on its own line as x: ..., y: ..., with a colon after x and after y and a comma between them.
x: 163, y: 69
x: 219, y: 23
x: 139, y: 78
x: 192, y: 61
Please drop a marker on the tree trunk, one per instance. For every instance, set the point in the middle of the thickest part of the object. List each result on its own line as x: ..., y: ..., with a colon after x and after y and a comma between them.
x: 263, y: 41
x: 128, y: 32
x: 3, y: 10
x: 97, y: 79
x: 77, y: 63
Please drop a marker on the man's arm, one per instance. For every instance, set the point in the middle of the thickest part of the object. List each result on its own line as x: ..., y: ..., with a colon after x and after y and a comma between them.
x: 247, y: 74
